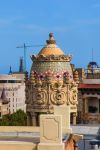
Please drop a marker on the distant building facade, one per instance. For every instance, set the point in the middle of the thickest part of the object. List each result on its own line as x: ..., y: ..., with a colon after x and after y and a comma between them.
x: 14, y: 87
x: 4, y: 104
x: 89, y: 94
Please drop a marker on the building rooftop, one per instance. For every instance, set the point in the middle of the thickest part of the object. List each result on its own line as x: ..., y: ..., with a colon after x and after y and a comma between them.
x: 92, y: 86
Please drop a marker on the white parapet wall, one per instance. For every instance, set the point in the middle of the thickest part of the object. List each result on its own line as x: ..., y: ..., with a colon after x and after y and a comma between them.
x: 19, y: 129
x: 6, y: 145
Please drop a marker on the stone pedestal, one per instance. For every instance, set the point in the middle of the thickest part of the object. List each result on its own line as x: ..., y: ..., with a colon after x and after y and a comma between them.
x: 65, y: 112
x: 51, y: 132
x: 50, y: 129
x: 49, y: 146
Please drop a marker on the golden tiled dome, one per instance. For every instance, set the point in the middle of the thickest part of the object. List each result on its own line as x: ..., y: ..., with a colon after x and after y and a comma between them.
x: 51, y: 47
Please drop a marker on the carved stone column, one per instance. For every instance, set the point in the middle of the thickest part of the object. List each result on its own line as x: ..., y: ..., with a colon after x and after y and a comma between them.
x: 29, y: 119
x: 86, y: 105
x: 74, y: 118
x: 83, y: 112
x: 33, y: 119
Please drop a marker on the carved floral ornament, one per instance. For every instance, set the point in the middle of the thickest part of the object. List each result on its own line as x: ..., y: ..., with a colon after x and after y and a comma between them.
x: 66, y: 58
x: 73, y: 96
x: 56, y: 94
x: 49, y: 75
x: 40, y: 97
x: 58, y: 97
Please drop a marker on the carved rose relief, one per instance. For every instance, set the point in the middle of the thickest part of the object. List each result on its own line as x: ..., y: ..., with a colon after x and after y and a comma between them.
x: 73, y: 96
x: 58, y: 97
x: 40, y: 97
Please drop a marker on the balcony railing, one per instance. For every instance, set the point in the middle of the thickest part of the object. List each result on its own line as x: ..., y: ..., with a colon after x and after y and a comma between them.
x: 92, y: 75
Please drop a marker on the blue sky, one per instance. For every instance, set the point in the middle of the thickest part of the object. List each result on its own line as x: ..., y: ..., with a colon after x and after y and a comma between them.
x: 75, y: 24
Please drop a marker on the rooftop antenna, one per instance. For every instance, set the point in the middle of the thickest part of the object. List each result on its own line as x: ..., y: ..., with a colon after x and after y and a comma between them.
x: 25, y: 48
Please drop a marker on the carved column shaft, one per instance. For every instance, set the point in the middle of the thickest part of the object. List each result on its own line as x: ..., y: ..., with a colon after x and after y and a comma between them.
x: 29, y: 122
x: 86, y: 105
x: 34, y: 122
x: 74, y: 118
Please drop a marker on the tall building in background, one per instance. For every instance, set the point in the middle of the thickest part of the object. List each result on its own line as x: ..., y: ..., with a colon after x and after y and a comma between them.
x: 13, y: 87
x: 4, y: 104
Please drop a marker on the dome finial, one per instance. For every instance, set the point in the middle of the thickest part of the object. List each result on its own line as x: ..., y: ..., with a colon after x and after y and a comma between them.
x: 51, y: 39
x: 50, y: 35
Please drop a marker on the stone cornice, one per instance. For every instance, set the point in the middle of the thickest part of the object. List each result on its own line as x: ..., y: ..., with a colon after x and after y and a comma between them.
x: 65, y: 58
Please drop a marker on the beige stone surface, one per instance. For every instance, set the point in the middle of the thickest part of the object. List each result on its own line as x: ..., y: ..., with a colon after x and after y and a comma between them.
x: 17, y: 146
x: 66, y: 130
x: 19, y: 129
x: 65, y: 112
x: 50, y: 129
x: 51, y: 146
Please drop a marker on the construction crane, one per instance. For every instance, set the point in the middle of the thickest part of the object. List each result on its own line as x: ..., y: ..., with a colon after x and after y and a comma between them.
x: 25, y: 48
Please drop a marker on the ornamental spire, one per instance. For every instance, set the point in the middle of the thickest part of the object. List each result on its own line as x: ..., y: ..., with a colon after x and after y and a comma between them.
x: 51, y: 39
